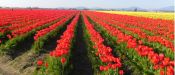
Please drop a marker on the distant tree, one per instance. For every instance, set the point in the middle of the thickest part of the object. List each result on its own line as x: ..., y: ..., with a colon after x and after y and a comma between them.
x: 135, y: 9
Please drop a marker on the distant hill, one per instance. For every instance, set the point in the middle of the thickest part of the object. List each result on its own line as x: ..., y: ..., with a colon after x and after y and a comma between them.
x: 81, y: 8
x: 133, y: 9
x: 168, y: 8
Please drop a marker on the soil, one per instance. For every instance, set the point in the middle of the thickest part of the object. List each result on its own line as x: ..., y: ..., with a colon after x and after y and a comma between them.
x: 79, y: 59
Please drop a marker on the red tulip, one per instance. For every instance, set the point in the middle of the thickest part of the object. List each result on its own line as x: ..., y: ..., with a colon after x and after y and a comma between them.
x: 46, y: 64
x: 121, y: 72
x: 114, y: 66
x: 9, y: 36
x: 161, y: 56
x: 166, y: 61
x: 156, y: 67
x: 51, y: 53
x: 106, y: 68
x: 140, y: 42
x: 170, y: 70
x: 39, y: 62
x: 63, y: 60
x: 162, y: 72
x: 101, y: 68
x: 172, y: 63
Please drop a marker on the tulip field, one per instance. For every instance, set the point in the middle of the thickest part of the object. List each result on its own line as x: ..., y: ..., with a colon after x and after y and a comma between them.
x: 74, y: 42
x: 159, y: 15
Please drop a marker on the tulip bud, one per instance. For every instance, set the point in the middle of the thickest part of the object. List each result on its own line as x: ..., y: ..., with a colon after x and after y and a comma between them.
x: 121, y: 72
x: 39, y: 62
x: 63, y: 60
x: 161, y: 56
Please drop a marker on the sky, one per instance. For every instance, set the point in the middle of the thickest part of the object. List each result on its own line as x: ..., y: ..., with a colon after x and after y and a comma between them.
x: 148, y: 4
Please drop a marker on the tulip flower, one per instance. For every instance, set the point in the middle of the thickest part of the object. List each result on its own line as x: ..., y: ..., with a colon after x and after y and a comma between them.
x: 39, y: 62
x: 121, y: 72
x: 63, y: 60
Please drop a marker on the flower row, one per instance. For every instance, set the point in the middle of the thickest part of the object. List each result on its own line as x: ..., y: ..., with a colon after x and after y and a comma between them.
x: 64, y: 43
x: 50, y: 28
x: 103, y: 52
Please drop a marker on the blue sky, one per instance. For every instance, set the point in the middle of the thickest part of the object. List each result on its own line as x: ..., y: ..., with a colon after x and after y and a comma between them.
x: 149, y: 4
